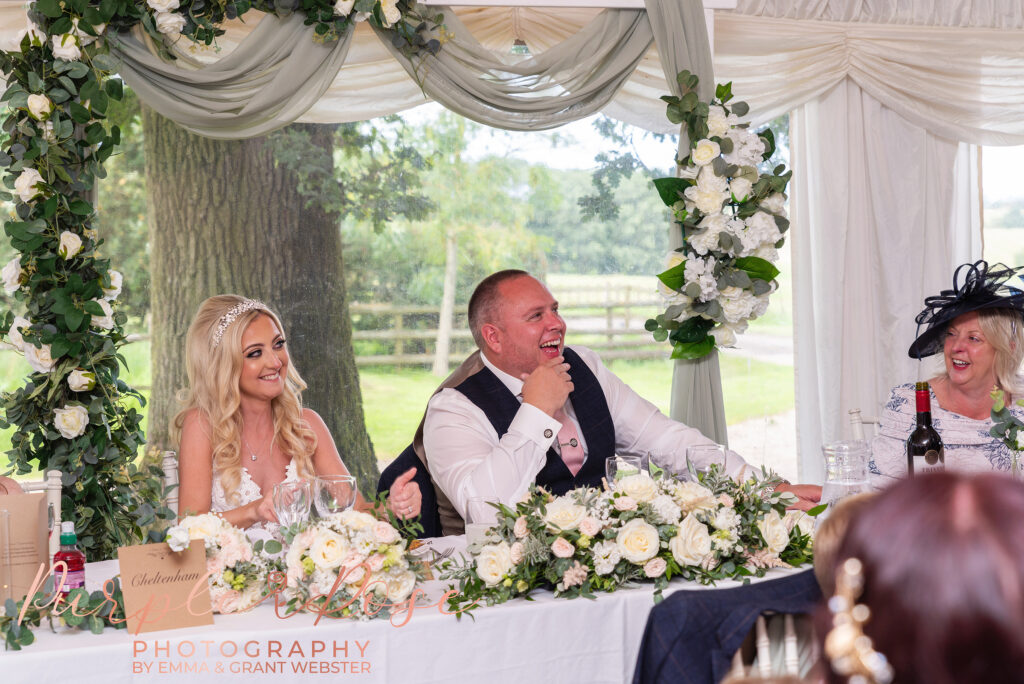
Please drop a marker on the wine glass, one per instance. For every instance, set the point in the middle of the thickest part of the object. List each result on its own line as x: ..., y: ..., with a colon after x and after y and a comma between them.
x: 291, y: 501
x: 333, y: 493
x: 480, y: 517
x: 618, y: 467
x: 666, y: 464
x: 700, y: 458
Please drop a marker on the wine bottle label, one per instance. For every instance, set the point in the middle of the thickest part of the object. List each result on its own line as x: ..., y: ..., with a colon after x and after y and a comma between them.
x: 74, y: 579
x: 931, y: 457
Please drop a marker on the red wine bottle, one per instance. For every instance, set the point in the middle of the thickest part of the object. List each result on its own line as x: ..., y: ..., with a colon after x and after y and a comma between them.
x: 925, y: 452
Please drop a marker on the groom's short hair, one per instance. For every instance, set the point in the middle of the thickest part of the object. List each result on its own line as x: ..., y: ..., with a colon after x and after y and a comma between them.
x: 485, y: 303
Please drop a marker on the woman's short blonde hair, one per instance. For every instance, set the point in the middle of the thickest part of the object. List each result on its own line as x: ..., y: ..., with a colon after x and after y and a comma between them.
x: 1004, y: 330
x: 213, y: 362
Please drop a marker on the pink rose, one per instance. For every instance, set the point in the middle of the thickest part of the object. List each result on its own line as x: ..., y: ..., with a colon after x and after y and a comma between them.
x: 520, y: 529
x: 655, y: 567
x: 590, y: 526
x: 516, y: 552
x: 376, y: 562
x: 226, y: 601
x: 385, y: 533
x: 625, y: 503
x: 725, y: 500
x: 562, y: 548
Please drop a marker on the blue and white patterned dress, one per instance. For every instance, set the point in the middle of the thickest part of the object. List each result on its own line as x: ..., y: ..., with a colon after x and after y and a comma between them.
x: 968, y: 444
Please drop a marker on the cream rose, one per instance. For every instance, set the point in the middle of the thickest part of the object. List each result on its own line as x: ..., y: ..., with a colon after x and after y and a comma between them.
x: 694, y: 497
x: 163, y: 5
x: 637, y: 541
x: 39, y: 106
x: 565, y: 514
x: 357, y: 520
x: 106, y: 321
x: 493, y: 563
x: 691, y: 543
x: 800, y: 520
x: 389, y: 8
x: 718, y: 122
x: 625, y: 503
x: 70, y: 245
x: 641, y: 487
x: 204, y: 527
x: 40, y: 358
x: 562, y: 548
x: 169, y: 24
x: 343, y: 7
x: 399, y: 585
x: 705, y: 152
x: 70, y: 421
x: 81, y: 380
x: 774, y: 531
x: 12, y: 275
x: 385, y: 533
x: 590, y: 526
x: 66, y: 47
x: 706, y: 201
x: 25, y: 185
x: 14, y: 334
x: 328, y: 550
x: 177, y: 538
x: 115, y: 279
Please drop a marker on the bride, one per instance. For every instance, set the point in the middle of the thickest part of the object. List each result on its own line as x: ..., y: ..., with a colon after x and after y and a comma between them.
x: 242, y: 426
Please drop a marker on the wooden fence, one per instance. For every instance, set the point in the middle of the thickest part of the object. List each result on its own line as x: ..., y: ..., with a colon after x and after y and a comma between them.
x: 608, y: 319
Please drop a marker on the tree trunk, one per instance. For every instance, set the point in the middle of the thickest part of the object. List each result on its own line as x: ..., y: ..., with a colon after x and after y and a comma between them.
x: 224, y: 217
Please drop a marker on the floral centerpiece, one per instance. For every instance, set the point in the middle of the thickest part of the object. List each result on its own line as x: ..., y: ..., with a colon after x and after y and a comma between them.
x: 238, y: 569
x: 350, y: 565
x: 1008, y: 428
x: 732, y: 217
x: 646, y: 529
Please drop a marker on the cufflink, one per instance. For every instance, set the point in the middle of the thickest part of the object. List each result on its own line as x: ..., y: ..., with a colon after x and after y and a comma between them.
x: 548, y: 433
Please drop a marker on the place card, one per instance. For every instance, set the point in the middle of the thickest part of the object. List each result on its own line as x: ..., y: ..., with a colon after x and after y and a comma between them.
x: 164, y: 589
x: 26, y: 545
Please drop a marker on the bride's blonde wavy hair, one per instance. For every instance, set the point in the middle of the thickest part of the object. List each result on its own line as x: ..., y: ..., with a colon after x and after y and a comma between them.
x: 213, y: 372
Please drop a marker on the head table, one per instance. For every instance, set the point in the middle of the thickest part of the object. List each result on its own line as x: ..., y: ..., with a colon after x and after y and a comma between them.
x: 547, y: 639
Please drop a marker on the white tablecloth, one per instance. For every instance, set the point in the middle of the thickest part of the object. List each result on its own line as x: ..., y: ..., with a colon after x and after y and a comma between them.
x: 546, y: 640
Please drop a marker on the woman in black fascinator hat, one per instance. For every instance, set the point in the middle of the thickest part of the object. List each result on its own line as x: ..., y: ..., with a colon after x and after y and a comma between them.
x: 978, y: 327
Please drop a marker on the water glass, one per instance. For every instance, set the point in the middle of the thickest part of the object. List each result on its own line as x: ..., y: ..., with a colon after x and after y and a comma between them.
x: 333, y: 493
x: 480, y: 517
x: 618, y: 467
x: 291, y: 501
x: 700, y: 458
x: 846, y: 470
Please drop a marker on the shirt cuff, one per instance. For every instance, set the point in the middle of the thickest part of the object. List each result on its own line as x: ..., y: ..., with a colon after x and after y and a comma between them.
x: 535, y: 425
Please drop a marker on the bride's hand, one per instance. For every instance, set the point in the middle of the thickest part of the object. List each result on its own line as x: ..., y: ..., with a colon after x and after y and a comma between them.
x: 264, y: 509
x: 405, y: 498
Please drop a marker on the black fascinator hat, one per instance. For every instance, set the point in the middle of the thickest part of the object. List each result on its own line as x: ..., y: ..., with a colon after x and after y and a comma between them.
x: 975, y: 286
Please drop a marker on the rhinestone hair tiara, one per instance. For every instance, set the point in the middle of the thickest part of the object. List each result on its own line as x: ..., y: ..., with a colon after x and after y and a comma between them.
x: 233, y: 313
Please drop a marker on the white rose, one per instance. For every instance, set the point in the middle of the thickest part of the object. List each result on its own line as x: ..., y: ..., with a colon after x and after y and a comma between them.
x: 14, y: 334
x: 116, y: 281
x: 39, y: 106
x: 389, y: 8
x: 163, y: 5
x: 724, y: 335
x: 70, y: 420
x: 725, y: 519
x: 775, y: 203
x: 106, y: 321
x: 81, y: 380
x: 640, y: 487
x: 800, y: 520
x: 638, y: 541
x: 655, y: 567
x: 399, y: 584
x: 774, y: 531
x: 328, y: 550
x: 25, y: 185
x: 343, y: 7
x: 691, y: 543
x: 606, y: 556
x: 564, y: 514
x: 704, y: 152
x: 83, y: 37
x: 12, y: 275
x: 70, y: 245
x: 740, y: 188
x: 39, y: 358
x: 355, y: 520
x: 562, y: 548
x: 169, y: 24
x: 625, y: 503
x: 177, y: 538
x: 66, y: 47
x: 493, y: 563
x: 718, y: 122
x: 36, y: 36
x: 694, y: 497
x: 706, y: 201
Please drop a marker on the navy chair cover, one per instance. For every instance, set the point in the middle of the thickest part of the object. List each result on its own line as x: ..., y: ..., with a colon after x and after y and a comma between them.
x: 429, y: 516
x: 691, y: 636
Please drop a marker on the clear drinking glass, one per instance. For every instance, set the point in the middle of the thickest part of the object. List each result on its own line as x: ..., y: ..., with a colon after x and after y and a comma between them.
x: 480, y: 517
x: 700, y: 458
x: 618, y: 467
x: 333, y: 493
x: 291, y: 501
x: 846, y: 472
x: 667, y: 464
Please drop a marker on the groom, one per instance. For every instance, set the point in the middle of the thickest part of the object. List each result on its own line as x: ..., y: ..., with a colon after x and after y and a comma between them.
x: 538, y: 411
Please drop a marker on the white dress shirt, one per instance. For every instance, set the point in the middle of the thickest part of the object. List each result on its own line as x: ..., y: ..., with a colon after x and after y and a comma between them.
x: 466, y: 459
